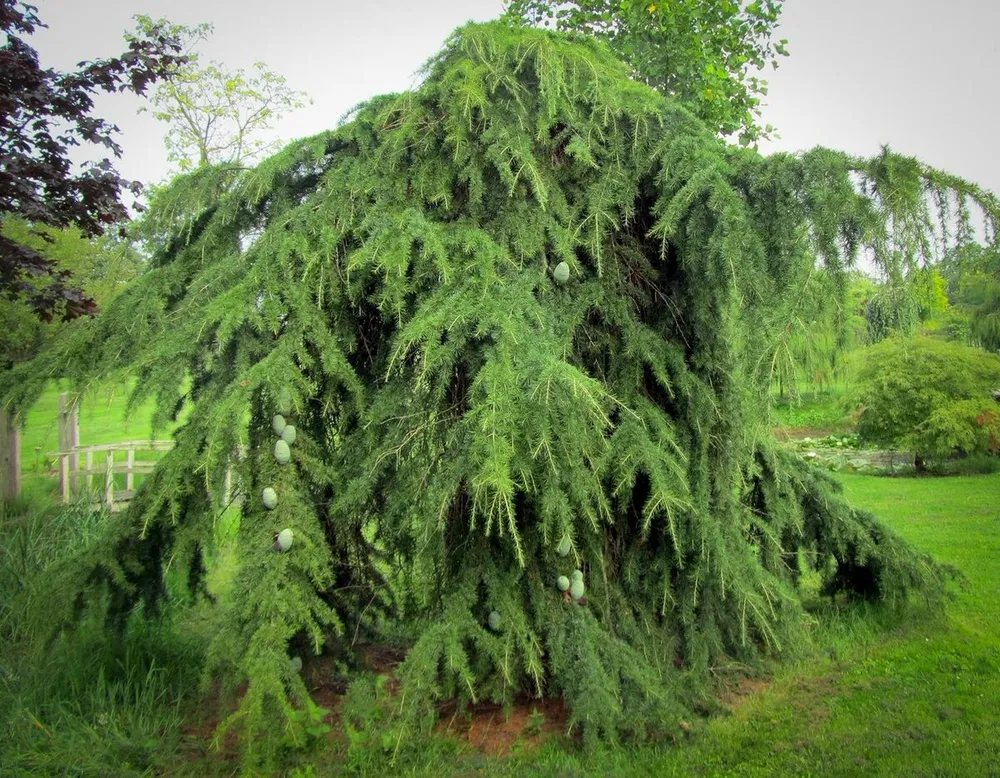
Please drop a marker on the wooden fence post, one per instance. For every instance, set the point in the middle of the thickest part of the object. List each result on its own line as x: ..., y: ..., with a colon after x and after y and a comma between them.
x: 109, y: 479
x: 64, y: 477
x: 129, y: 478
x: 10, y: 452
x: 69, y: 438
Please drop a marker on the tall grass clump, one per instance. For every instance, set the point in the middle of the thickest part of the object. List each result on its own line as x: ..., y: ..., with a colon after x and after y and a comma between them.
x: 88, y: 701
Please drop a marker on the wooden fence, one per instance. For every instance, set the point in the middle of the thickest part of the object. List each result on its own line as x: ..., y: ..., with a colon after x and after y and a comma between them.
x: 72, y: 477
x: 99, y: 461
x: 10, y: 457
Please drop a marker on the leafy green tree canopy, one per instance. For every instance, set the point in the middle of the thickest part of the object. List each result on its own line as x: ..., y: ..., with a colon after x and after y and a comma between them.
x: 927, y: 396
x: 516, y: 318
x: 213, y: 114
x: 101, y: 266
x: 706, y: 54
x: 930, y: 291
x: 893, y: 309
x: 974, y: 273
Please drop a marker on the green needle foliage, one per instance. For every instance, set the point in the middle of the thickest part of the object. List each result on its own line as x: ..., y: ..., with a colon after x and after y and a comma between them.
x: 459, y: 413
x: 974, y: 276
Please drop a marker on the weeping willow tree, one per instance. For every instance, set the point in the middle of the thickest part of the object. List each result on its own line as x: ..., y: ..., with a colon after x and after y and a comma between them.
x: 974, y: 279
x: 518, y: 318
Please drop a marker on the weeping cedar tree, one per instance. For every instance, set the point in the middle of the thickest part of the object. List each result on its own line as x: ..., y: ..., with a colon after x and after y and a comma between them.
x: 462, y: 417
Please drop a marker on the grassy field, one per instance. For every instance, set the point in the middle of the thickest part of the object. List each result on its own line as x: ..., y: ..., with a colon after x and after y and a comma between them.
x: 816, y: 412
x: 882, y: 693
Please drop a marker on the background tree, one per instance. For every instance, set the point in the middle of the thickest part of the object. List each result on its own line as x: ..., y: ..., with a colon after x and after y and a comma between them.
x: 819, y: 326
x: 983, y: 300
x: 215, y: 115
x: 900, y: 306
x: 973, y: 276
x: 891, y: 310
x: 44, y: 112
x: 707, y: 54
x: 516, y: 318
x: 102, y: 267
x: 930, y: 397
x: 930, y: 292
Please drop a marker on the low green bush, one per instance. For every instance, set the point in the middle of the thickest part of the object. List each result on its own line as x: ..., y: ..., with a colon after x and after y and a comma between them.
x: 930, y: 397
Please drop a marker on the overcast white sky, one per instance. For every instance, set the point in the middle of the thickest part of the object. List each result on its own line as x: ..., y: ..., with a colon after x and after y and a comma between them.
x: 918, y: 75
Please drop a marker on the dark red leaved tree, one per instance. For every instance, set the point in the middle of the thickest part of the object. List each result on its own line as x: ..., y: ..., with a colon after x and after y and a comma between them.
x: 43, y: 113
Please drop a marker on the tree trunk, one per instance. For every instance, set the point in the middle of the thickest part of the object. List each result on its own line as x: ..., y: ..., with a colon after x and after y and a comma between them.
x: 10, y: 457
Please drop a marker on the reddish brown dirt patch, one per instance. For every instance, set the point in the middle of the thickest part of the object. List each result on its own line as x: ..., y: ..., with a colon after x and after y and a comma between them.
x: 324, y: 685
x: 197, y: 737
x: 489, y: 730
x: 735, y: 695
x: 327, y: 686
x: 484, y: 727
x: 382, y: 659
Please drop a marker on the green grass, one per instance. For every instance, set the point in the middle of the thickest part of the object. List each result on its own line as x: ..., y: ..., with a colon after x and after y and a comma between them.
x: 88, y: 702
x: 821, y: 412
x: 922, y: 701
x: 94, y: 706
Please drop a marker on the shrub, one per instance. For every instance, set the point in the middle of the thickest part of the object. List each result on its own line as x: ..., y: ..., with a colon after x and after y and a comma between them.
x: 930, y: 397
